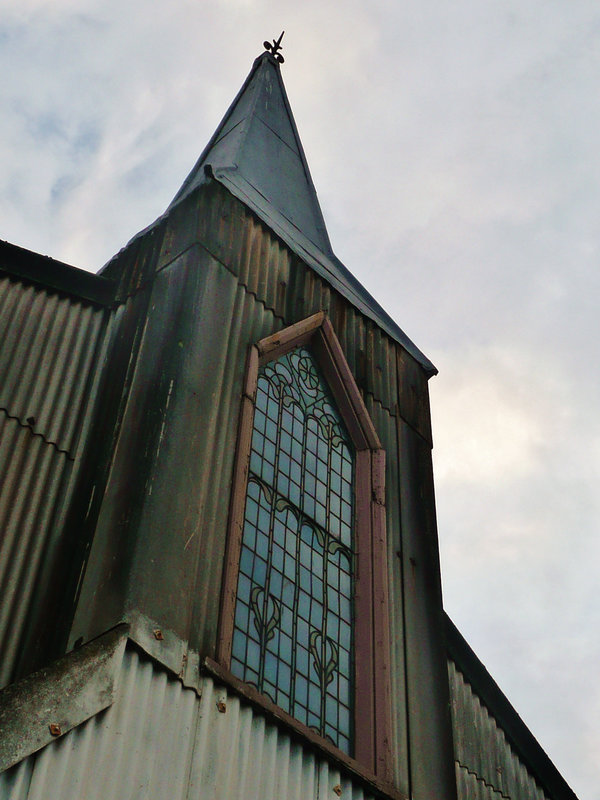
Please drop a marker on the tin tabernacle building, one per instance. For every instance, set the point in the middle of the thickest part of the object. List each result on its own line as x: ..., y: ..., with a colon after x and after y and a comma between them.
x: 219, y: 566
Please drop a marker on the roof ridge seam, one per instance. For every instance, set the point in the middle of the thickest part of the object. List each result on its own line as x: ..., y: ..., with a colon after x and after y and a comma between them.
x: 29, y: 427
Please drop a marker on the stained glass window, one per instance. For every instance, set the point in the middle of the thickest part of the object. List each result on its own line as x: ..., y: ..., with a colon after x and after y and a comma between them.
x: 292, y: 636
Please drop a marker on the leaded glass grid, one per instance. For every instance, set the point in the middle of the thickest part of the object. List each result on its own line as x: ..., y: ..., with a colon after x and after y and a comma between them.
x: 292, y: 635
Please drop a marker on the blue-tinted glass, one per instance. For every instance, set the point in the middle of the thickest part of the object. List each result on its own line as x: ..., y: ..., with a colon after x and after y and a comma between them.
x: 301, y: 690
x: 302, y: 661
x: 331, y: 710
x: 304, y: 579
x: 255, y: 463
x: 294, y: 489
x: 259, y: 572
x: 244, y: 586
x: 289, y: 568
x: 287, y: 421
x: 238, y: 648
x: 279, y: 531
x: 267, y: 473
x: 262, y: 545
x: 285, y: 648
x: 269, y: 452
x: 246, y: 561
x: 344, y: 691
x: 259, y: 422
x: 270, y: 690
x: 278, y: 558
x: 284, y: 676
x: 292, y: 632
x: 316, y: 616
x: 344, y: 635
x: 271, y: 431
x: 284, y: 461
x: 270, y: 667
x: 304, y: 606
x: 314, y: 698
x: 276, y: 583
x: 253, y: 655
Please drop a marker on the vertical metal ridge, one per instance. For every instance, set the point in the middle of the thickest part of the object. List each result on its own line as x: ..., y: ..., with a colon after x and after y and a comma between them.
x: 15, y: 782
x: 29, y: 493
x: 53, y: 365
x: 283, y: 283
x: 246, y: 322
x: 27, y: 518
x: 45, y: 364
x: 46, y: 369
x: 482, y: 750
x: 84, y: 363
x: 20, y: 328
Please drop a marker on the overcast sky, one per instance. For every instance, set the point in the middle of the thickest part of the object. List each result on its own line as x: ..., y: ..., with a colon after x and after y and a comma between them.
x: 455, y: 150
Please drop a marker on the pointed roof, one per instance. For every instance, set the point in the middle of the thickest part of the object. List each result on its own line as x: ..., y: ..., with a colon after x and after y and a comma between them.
x: 257, y: 147
x: 257, y: 155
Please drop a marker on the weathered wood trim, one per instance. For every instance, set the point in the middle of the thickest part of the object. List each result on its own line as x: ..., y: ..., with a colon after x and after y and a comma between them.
x: 364, y: 656
x: 344, y: 389
x: 381, y: 619
x: 236, y: 511
x: 299, y: 333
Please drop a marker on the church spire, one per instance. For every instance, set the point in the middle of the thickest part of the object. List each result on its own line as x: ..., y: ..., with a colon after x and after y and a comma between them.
x: 256, y: 152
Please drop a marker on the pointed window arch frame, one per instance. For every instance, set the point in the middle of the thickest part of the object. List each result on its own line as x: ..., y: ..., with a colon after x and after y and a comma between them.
x: 372, y: 710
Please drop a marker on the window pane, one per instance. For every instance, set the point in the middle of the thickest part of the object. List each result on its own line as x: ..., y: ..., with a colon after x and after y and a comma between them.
x: 293, y: 622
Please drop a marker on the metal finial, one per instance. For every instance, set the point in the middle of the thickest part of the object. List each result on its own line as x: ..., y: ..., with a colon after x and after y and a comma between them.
x: 275, y: 47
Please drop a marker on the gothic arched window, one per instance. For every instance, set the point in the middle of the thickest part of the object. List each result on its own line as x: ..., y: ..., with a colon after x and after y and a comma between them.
x: 292, y: 636
x: 304, y: 613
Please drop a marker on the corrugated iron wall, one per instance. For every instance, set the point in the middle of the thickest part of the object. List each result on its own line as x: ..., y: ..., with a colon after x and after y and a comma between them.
x: 284, y: 285
x: 272, y: 290
x: 160, y: 740
x: 275, y: 289
x: 49, y: 349
x: 223, y: 281
x: 486, y: 764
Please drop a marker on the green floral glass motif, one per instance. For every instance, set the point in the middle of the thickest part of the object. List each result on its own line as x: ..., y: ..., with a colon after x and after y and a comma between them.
x: 293, y: 619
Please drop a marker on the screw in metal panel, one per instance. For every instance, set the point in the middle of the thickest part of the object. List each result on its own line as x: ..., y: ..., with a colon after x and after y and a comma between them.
x: 338, y: 790
x: 158, y: 634
x: 55, y: 729
x: 222, y: 706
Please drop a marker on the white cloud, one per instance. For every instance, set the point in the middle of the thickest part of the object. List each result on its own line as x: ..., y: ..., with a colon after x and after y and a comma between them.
x: 486, y: 419
x: 454, y: 148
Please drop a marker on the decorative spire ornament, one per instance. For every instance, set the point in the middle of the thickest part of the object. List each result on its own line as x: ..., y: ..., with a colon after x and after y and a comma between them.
x: 274, y: 48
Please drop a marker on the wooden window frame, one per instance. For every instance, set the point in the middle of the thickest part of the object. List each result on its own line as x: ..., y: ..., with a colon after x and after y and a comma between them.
x: 372, y: 709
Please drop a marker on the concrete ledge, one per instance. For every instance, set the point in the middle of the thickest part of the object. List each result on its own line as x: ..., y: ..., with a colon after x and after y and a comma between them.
x: 44, y: 706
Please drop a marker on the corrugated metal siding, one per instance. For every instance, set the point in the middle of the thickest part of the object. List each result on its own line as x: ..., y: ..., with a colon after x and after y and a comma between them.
x: 160, y: 740
x: 223, y: 282
x: 261, y: 288
x: 283, y: 284
x: 486, y: 764
x: 247, y: 321
x: 49, y: 346
x: 32, y: 474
